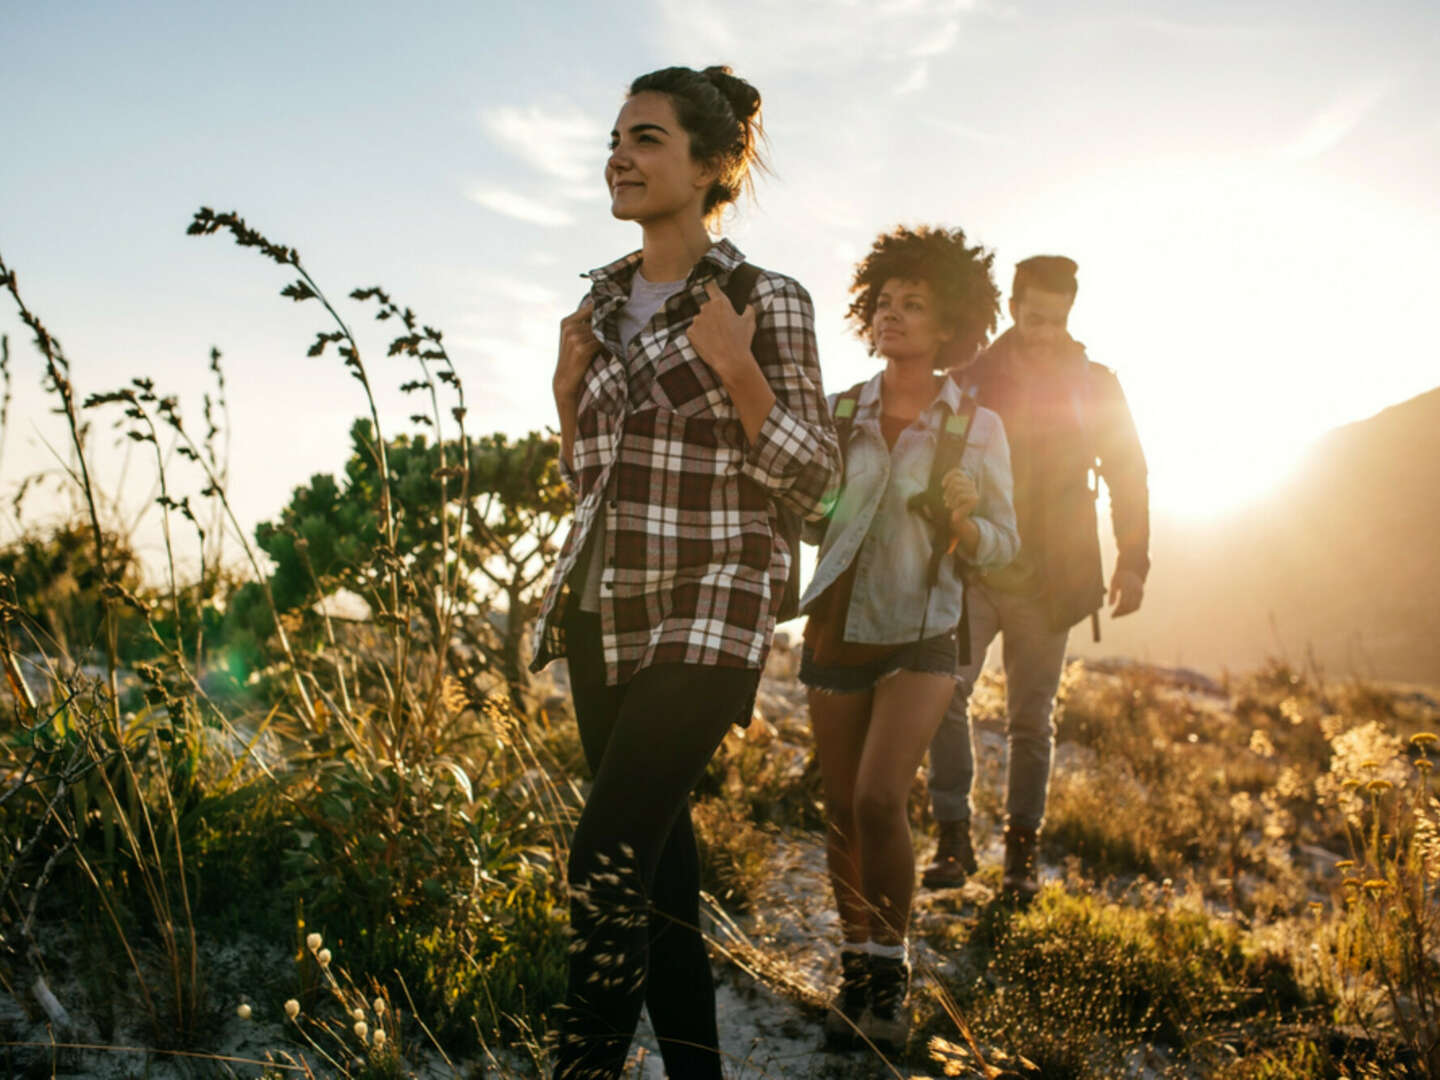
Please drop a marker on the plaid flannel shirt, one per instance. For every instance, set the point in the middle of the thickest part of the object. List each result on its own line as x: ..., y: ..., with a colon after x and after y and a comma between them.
x: 693, y: 567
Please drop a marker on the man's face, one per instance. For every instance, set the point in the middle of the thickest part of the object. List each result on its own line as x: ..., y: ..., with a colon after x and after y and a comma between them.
x: 1040, y: 319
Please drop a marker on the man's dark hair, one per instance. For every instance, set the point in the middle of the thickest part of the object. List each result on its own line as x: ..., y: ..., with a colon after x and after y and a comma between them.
x: 1049, y: 273
x: 961, y: 277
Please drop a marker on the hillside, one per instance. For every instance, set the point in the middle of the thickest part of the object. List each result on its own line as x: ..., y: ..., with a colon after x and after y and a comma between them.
x: 1340, y: 562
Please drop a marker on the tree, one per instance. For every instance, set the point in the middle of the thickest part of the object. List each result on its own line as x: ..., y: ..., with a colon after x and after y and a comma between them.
x: 499, y: 522
x: 58, y: 588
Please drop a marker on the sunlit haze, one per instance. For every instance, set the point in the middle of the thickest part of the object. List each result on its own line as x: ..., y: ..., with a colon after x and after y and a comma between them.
x: 1249, y: 190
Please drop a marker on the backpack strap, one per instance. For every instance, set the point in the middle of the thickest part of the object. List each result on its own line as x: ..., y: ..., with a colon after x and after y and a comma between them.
x: 954, y: 435
x: 845, y: 406
x: 844, y: 419
x: 741, y: 285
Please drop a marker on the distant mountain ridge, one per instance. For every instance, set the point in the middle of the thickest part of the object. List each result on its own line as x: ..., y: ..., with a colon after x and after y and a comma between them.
x: 1341, y: 561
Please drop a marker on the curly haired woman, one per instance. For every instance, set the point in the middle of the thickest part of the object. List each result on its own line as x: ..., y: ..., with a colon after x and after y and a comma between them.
x: 880, y: 649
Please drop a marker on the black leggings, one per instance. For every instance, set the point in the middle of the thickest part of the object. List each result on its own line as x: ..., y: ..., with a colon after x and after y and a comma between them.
x: 634, y: 870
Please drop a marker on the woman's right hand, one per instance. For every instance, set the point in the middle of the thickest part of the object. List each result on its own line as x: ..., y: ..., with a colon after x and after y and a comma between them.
x: 578, y: 346
x: 961, y: 494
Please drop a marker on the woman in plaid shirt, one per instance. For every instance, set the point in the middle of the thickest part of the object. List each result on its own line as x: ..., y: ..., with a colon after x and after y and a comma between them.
x: 880, y: 644
x: 685, y: 427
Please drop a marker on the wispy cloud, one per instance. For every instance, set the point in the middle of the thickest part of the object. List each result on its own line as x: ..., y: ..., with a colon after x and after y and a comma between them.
x: 821, y: 35
x: 515, y: 290
x: 941, y: 43
x: 918, y: 79
x: 521, y: 207
x: 1332, y: 124
x: 563, y: 144
x: 968, y: 131
x: 1180, y: 28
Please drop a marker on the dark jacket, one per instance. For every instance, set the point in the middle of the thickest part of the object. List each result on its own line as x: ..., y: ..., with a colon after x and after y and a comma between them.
x: 1063, y: 421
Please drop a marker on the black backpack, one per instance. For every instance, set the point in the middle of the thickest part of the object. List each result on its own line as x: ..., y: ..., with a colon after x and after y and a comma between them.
x: 788, y: 523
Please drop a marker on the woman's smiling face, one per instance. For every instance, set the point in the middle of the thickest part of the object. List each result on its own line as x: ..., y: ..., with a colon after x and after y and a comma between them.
x: 650, y: 172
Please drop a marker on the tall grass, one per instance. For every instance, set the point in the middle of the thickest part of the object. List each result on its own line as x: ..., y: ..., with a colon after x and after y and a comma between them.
x: 364, y: 778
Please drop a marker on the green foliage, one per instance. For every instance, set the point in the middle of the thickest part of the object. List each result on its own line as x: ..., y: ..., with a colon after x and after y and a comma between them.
x: 1241, y: 802
x: 405, y: 867
x: 1186, y: 788
x: 353, y: 777
x: 472, y: 544
x: 109, y: 814
x: 1300, y: 1058
x: 52, y: 578
x: 770, y: 779
x: 1388, y: 940
x: 1074, y: 981
x: 734, y: 853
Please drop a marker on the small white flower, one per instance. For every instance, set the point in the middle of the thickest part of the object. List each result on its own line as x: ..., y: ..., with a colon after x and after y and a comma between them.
x: 243, y: 1011
x: 362, y: 1029
x: 324, y: 957
x: 313, y: 942
x: 380, y: 1039
x: 292, y: 1008
x: 357, y: 1013
x: 379, y: 1006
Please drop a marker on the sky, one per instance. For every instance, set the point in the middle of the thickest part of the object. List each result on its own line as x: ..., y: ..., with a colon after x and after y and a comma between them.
x: 1249, y: 189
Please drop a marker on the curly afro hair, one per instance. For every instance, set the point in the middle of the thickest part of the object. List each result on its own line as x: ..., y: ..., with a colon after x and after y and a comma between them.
x: 961, y: 277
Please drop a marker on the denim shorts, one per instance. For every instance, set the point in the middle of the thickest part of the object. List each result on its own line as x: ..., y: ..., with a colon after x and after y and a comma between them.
x: 932, y: 656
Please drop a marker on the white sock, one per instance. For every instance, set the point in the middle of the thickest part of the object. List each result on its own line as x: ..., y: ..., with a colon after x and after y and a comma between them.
x: 890, y: 952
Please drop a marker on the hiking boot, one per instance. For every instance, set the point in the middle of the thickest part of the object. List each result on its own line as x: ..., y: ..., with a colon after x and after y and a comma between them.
x: 1021, y: 879
x: 886, y: 1023
x: 844, y: 1013
x: 954, y: 858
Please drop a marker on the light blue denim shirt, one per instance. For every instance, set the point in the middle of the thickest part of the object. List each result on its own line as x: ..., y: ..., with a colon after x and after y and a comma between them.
x: 872, y: 525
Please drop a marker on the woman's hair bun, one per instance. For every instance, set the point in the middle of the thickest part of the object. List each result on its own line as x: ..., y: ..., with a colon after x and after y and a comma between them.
x: 721, y: 113
x: 744, y: 99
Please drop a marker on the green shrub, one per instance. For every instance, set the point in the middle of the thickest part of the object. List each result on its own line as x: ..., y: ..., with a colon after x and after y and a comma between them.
x: 405, y: 867
x: 1074, y: 982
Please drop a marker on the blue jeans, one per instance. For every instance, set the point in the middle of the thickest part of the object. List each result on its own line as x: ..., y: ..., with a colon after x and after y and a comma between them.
x: 1034, y: 657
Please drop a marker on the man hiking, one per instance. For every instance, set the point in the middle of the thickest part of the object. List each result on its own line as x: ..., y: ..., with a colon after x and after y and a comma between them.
x: 1068, y: 423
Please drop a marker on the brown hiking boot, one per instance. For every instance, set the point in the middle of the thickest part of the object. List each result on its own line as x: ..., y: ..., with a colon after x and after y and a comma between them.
x: 886, y: 1023
x: 954, y: 858
x: 843, y: 1018
x: 1021, y: 879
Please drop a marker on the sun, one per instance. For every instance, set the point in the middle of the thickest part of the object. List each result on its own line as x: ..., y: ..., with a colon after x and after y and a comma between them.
x: 1247, y: 309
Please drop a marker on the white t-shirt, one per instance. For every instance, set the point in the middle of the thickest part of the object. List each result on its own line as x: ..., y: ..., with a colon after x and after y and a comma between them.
x: 646, y: 298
